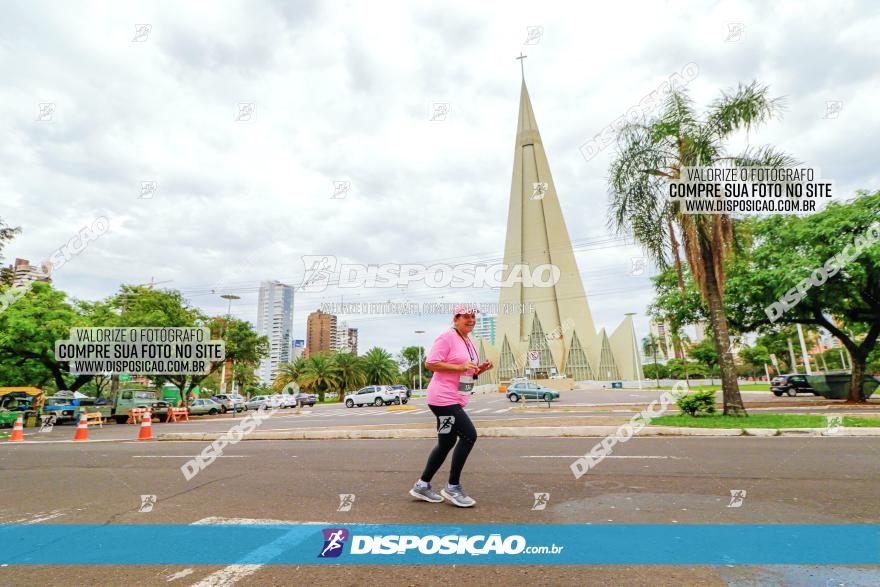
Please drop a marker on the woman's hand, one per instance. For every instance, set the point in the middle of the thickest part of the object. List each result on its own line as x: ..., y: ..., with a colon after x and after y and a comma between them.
x: 468, y: 366
x: 485, y: 367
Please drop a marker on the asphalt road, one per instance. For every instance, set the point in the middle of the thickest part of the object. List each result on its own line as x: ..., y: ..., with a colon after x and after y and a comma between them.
x: 482, y: 408
x: 649, y: 480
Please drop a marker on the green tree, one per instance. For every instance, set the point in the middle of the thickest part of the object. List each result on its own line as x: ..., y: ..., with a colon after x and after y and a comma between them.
x: 409, y: 365
x: 651, y: 346
x: 28, y: 331
x: 320, y: 374
x: 788, y: 255
x: 289, y: 372
x: 7, y: 233
x: 652, y: 153
x: 658, y: 371
x: 352, y: 374
x: 379, y: 367
x: 755, y: 357
x: 705, y: 353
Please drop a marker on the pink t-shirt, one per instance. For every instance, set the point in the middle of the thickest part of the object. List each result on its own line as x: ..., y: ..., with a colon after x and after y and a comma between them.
x: 449, y: 348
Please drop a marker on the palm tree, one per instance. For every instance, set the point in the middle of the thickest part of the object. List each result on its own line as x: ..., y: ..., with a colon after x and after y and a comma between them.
x: 650, y: 345
x: 351, y: 371
x: 288, y: 372
x: 320, y: 374
x: 379, y: 367
x: 650, y: 154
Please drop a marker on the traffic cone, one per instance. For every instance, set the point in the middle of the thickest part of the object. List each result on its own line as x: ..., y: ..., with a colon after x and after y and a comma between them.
x: 146, y: 431
x: 18, y: 430
x: 82, y: 429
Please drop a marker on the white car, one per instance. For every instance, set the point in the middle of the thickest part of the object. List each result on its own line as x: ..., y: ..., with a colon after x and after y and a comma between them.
x: 376, y: 395
x: 262, y: 402
x: 284, y: 400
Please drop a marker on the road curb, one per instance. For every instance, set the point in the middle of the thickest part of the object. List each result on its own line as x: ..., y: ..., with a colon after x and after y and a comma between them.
x: 520, y: 432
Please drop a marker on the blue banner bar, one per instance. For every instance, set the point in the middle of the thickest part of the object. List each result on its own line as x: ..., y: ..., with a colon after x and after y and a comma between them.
x: 709, y: 544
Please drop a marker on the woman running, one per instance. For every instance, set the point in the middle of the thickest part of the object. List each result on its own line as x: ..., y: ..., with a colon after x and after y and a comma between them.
x: 453, y: 359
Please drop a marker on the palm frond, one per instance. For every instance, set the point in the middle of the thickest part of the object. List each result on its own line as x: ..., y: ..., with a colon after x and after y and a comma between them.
x: 747, y: 106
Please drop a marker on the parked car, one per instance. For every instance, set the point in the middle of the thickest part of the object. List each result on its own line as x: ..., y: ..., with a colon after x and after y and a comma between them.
x: 525, y: 391
x: 200, y: 407
x: 62, y: 408
x: 377, y: 395
x: 306, y: 399
x: 229, y: 400
x: 283, y: 400
x: 262, y: 402
x: 403, y: 388
x: 791, y: 385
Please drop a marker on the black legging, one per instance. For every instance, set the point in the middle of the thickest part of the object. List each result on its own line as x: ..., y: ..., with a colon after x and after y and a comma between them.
x: 452, y: 423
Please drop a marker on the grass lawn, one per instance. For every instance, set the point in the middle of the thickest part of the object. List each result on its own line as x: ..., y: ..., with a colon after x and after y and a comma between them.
x: 759, y: 421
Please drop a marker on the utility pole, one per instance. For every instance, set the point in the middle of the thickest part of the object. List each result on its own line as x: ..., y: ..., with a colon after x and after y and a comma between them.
x: 420, y: 358
x: 637, y: 358
x: 228, y: 297
x: 791, y: 355
x: 804, y: 350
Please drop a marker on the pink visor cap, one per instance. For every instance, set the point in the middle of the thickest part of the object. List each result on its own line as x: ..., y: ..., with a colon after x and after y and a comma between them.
x: 465, y: 309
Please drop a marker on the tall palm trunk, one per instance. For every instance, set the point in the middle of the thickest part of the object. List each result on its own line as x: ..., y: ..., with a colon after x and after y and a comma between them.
x: 676, y: 255
x: 729, y: 389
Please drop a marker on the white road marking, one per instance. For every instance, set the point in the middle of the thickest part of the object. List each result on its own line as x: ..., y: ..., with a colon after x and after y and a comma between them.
x: 37, y: 518
x: 179, y: 575
x: 186, y: 456
x: 233, y: 573
x: 607, y: 457
x: 502, y: 411
x: 480, y: 411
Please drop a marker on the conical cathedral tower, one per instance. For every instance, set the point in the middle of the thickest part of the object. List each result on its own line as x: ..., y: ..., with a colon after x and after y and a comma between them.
x: 537, y: 236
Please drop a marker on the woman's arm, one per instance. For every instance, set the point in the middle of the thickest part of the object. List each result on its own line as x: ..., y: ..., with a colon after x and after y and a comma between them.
x: 439, y: 366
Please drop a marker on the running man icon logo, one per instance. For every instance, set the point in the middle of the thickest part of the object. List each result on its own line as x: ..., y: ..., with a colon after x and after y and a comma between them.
x: 334, y: 540
x: 737, y: 496
x: 346, y: 500
x: 147, y: 503
x: 319, y: 269
x: 47, y: 422
x: 446, y: 424
x: 541, y: 501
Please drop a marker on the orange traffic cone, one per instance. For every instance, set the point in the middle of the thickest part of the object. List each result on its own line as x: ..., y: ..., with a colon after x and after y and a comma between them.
x: 82, y: 429
x: 18, y: 430
x: 146, y: 431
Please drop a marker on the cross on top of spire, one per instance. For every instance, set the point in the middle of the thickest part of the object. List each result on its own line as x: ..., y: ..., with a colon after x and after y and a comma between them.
x: 521, y: 67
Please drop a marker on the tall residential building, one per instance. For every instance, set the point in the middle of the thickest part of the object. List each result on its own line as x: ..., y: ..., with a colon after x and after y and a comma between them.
x: 24, y: 273
x: 485, y: 328
x: 665, y: 348
x: 275, y: 321
x: 348, y: 339
x: 321, y: 333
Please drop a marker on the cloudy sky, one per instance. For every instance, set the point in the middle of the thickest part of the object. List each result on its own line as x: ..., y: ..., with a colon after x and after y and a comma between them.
x: 344, y: 92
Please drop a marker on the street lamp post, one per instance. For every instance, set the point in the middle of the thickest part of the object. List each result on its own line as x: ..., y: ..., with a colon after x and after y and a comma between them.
x: 638, y: 359
x: 420, y: 358
x: 228, y: 297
